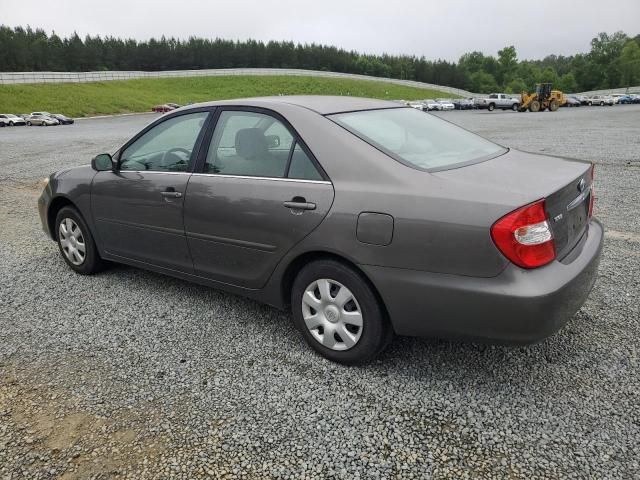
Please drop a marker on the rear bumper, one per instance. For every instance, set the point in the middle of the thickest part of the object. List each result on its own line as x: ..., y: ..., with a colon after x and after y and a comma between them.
x: 517, y: 306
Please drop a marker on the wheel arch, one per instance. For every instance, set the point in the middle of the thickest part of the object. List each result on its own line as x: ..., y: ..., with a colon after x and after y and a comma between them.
x: 303, y: 259
x: 57, y: 204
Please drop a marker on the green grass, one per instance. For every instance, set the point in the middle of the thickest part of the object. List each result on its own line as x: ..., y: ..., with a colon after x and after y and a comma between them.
x: 125, y: 96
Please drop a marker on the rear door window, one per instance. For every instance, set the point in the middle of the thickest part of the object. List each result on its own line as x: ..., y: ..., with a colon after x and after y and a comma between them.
x: 247, y: 143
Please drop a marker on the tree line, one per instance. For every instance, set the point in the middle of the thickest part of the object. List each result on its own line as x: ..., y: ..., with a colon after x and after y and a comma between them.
x: 612, y: 62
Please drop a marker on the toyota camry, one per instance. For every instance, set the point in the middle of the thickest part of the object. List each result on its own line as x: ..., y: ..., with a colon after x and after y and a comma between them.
x: 362, y: 217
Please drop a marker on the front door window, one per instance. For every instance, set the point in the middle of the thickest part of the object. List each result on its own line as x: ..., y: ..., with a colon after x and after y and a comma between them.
x: 167, y: 147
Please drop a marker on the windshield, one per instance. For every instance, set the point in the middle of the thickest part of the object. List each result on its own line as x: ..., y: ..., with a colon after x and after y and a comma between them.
x: 418, y: 139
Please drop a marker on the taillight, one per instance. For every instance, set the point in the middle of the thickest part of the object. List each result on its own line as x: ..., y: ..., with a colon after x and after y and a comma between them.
x: 592, y: 195
x: 524, y: 236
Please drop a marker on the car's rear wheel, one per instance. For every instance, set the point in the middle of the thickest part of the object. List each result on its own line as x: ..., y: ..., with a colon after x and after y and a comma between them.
x: 76, y: 243
x: 338, y: 313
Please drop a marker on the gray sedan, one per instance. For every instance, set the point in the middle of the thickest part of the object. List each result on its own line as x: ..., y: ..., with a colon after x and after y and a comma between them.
x: 41, y: 119
x: 363, y: 217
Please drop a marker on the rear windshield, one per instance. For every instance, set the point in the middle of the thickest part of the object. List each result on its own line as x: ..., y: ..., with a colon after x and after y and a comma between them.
x: 418, y: 139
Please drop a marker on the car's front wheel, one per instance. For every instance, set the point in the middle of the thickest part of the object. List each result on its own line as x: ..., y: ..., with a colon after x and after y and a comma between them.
x: 76, y: 242
x: 338, y: 313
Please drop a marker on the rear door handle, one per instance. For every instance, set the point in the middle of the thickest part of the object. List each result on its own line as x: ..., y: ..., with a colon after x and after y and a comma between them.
x: 170, y: 194
x: 296, y: 205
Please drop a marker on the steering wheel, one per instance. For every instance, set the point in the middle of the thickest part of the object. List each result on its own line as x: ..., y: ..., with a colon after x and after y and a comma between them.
x: 173, y: 151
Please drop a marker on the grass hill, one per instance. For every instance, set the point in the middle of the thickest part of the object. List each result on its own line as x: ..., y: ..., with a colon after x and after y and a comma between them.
x: 126, y: 96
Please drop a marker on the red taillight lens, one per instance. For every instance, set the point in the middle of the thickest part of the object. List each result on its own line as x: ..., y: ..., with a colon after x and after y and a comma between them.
x: 524, y: 236
x: 592, y: 195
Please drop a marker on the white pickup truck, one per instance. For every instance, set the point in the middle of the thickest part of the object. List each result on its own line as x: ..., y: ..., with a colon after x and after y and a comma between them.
x: 499, y: 100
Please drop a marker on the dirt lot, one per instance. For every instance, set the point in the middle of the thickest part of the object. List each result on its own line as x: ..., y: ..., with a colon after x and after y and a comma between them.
x: 129, y: 374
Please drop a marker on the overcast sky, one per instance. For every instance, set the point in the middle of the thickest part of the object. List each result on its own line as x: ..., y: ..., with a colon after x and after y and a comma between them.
x: 436, y: 29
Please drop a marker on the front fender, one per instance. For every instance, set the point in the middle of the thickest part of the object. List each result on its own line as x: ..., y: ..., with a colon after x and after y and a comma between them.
x: 72, y: 186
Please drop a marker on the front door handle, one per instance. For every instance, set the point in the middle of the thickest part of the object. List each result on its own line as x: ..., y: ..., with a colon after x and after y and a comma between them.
x: 300, y: 204
x: 171, y: 194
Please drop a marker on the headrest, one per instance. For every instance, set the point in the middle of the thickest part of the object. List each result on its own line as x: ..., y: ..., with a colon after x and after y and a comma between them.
x: 251, y: 143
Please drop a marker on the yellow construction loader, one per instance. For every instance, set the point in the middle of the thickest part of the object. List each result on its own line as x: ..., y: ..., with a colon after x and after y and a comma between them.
x: 543, y: 98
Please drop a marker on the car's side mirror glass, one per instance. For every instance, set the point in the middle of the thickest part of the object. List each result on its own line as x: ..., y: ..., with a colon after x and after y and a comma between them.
x: 103, y: 162
x: 273, y: 141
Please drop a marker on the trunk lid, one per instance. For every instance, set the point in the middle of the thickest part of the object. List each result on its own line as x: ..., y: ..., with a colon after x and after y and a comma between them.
x: 568, y: 212
x: 518, y: 178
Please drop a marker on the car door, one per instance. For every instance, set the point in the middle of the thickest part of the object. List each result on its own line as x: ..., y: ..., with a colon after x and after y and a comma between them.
x: 138, y: 209
x: 258, y: 192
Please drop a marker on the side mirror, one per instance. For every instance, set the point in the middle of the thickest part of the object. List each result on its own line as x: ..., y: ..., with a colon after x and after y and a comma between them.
x: 103, y: 162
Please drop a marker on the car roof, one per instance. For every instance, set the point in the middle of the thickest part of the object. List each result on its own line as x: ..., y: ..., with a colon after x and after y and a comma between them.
x: 322, y: 104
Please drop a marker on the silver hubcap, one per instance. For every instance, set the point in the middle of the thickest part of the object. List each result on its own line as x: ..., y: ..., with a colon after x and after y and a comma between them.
x: 72, y: 241
x: 332, y: 314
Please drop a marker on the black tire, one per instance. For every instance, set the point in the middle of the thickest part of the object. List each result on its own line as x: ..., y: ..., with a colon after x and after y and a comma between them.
x: 515, y: 107
x: 491, y: 107
x: 11, y: 124
x: 376, y: 331
x: 29, y: 124
x: 92, y: 262
x: 602, y: 104
x: 534, y: 106
x: 553, y: 105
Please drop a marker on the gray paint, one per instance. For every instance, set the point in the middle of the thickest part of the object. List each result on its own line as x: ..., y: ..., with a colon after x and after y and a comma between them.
x: 238, y: 228
x: 375, y: 228
x: 440, y: 273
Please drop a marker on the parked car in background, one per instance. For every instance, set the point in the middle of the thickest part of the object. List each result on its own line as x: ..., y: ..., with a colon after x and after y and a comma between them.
x: 635, y: 98
x: 584, y: 100
x: 63, y: 119
x: 600, y: 100
x: 431, y: 105
x: 571, y: 101
x: 463, y: 237
x: 462, y: 103
x: 39, y: 118
x: 616, y: 97
x: 625, y: 99
x: 500, y: 101
x: 11, y: 120
x: 165, y: 107
x: 445, y: 104
x: 417, y: 105
x: 466, y: 103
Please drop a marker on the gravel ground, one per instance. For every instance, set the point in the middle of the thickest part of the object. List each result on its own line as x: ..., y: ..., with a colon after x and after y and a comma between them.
x: 129, y: 374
